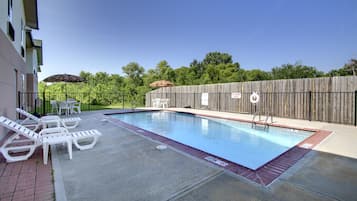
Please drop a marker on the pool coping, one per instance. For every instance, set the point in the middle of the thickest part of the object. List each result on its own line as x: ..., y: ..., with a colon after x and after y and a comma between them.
x: 263, y: 175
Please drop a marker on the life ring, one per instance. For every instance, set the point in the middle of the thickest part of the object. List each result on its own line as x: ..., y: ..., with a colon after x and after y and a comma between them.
x: 254, y: 98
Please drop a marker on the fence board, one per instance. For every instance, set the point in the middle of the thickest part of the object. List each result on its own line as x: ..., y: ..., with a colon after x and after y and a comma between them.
x: 332, y: 98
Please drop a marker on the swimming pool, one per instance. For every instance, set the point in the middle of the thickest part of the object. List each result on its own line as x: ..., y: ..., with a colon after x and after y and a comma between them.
x: 231, y: 140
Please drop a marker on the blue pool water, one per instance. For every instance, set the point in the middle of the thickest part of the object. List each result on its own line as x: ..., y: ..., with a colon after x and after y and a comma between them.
x: 231, y: 140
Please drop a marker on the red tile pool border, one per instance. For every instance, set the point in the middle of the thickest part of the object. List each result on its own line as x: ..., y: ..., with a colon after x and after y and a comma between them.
x: 263, y: 175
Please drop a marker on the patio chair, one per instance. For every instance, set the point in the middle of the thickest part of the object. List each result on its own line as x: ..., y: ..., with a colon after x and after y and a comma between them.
x: 64, y: 106
x: 164, y: 102
x: 156, y: 102
x: 76, y: 106
x: 46, y: 121
x: 45, y: 138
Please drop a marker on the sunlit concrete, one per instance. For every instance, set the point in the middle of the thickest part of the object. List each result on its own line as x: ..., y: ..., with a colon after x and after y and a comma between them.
x: 126, y: 166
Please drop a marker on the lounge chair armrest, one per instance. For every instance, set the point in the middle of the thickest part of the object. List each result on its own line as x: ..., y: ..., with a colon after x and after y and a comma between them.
x: 47, y: 131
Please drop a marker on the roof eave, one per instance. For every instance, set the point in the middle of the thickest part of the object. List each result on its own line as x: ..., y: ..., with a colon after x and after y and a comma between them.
x: 31, y: 13
x: 38, y: 47
x: 29, y: 40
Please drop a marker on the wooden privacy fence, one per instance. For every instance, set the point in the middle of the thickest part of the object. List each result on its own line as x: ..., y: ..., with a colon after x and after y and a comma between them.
x: 331, y: 99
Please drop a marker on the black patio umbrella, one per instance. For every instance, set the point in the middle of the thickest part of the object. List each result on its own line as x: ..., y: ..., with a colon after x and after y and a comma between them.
x: 64, y: 78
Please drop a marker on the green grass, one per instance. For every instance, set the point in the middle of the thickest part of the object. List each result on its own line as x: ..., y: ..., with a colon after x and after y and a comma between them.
x: 87, y: 107
x: 90, y: 107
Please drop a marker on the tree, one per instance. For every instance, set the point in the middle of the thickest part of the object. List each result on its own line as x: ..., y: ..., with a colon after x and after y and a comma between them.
x: 352, y: 66
x: 198, y: 70
x: 134, y: 73
x: 216, y: 58
x: 216, y: 67
x: 184, y: 76
x: 348, y: 69
x: 257, y: 75
x: 242, y: 75
x: 134, y: 79
x: 228, y: 72
x: 150, y: 77
x: 211, y: 75
x: 289, y: 71
x: 164, y: 71
x: 86, y: 75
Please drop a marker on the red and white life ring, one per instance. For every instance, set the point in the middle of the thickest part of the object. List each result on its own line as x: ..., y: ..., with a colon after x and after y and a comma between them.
x: 254, y: 98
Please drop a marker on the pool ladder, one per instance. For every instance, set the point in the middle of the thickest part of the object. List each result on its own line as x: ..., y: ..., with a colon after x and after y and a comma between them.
x: 263, y: 122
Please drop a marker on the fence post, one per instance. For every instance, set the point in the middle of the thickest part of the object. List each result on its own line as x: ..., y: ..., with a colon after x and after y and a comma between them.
x: 149, y: 101
x: 194, y: 100
x: 35, y: 105
x: 123, y: 100
x: 310, y: 105
x: 219, y: 101
x: 18, y: 99
x: 18, y: 102
x: 43, y: 103
x: 89, y: 102
x: 356, y: 108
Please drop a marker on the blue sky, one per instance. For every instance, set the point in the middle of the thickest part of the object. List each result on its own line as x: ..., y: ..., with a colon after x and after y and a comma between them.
x: 104, y: 35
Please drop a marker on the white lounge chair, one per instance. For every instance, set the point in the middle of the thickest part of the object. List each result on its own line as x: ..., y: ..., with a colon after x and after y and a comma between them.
x: 45, y: 138
x: 15, y: 144
x: 45, y: 121
x: 77, y: 136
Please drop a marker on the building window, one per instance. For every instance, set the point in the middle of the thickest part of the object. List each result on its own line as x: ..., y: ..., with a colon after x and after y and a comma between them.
x: 22, y: 38
x: 9, y: 10
x: 16, y: 86
x: 10, y: 28
x: 23, y: 88
x: 11, y: 31
x: 22, y: 33
x: 23, y: 85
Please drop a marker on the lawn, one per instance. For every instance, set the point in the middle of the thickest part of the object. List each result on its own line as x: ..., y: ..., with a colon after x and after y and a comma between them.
x: 88, y: 107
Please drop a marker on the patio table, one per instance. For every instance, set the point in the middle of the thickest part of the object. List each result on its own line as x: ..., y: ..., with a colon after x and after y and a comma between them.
x: 68, y: 106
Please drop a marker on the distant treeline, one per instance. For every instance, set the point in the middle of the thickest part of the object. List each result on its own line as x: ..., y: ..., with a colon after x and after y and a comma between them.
x: 104, y: 89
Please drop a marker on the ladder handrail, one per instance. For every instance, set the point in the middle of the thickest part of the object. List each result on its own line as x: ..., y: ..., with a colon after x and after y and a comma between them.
x: 265, y: 122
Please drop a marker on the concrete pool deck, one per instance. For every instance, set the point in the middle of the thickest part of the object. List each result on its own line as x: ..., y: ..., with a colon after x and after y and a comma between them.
x: 126, y: 166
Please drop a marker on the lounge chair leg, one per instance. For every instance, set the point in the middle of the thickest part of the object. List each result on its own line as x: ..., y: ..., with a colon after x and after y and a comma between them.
x: 88, y: 146
x: 45, y: 153
x: 10, y: 158
x: 6, y: 150
x: 72, y: 126
x: 69, y: 147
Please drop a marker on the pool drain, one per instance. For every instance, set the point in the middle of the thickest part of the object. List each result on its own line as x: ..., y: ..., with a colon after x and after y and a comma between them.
x: 161, y: 147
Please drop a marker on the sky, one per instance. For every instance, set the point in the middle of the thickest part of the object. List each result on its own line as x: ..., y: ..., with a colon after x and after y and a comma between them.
x: 105, y: 35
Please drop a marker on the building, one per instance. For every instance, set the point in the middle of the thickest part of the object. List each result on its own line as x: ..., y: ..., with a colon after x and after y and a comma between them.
x: 20, y: 55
